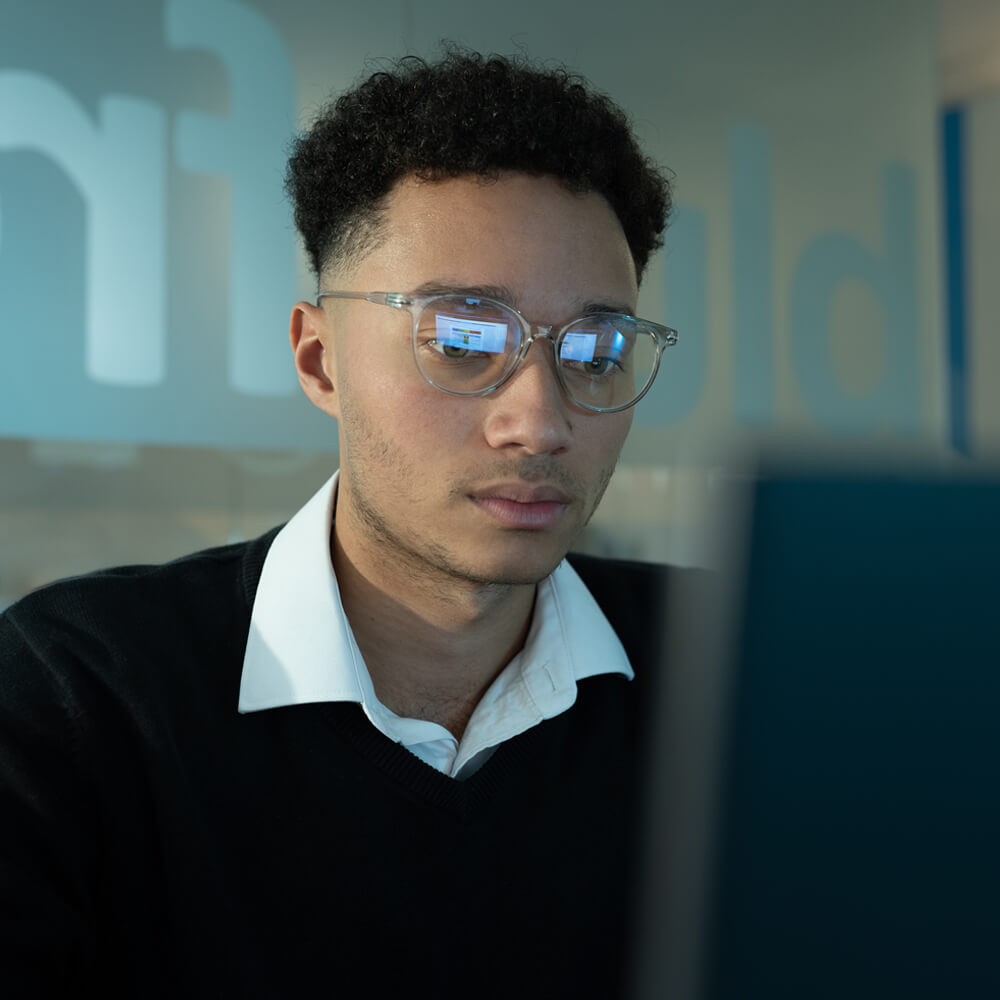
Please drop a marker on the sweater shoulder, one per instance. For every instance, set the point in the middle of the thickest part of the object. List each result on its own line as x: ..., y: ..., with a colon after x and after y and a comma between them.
x: 135, y: 605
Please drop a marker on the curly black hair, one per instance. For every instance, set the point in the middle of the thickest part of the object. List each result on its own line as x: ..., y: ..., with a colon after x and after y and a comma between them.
x: 466, y: 114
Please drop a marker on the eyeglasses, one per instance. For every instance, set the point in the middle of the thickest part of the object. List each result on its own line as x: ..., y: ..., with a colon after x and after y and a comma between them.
x: 469, y: 346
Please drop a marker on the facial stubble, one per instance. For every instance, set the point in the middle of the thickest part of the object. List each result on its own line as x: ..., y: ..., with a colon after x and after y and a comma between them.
x: 429, y: 561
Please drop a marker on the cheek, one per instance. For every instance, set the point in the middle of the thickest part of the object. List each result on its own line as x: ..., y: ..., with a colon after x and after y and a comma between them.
x: 373, y: 386
x: 371, y: 361
x: 609, y: 436
x: 417, y: 424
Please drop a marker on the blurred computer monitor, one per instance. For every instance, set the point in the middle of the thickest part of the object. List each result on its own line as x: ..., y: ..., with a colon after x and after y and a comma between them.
x: 824, y: 808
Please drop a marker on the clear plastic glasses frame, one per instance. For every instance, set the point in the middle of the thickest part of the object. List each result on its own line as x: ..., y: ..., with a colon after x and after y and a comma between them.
x: 660, y: 336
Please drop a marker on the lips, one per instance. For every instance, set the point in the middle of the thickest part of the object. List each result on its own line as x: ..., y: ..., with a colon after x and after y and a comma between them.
x: 521, y: 505
x: 522, y: 493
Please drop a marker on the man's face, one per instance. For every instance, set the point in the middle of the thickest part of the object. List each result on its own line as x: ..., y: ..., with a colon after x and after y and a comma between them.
x: 490, y: 489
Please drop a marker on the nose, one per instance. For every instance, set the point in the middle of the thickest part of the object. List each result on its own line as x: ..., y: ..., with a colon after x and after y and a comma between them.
x: 530, y: 412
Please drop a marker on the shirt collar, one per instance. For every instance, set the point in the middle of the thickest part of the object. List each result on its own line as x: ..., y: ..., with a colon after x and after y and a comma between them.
x: 300, y: 647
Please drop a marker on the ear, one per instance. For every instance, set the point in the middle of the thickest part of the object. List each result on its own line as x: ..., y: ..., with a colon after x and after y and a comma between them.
x: 310, y: 333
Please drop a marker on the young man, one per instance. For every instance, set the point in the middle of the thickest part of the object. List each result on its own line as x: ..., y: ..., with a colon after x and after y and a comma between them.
x: 394, y: 745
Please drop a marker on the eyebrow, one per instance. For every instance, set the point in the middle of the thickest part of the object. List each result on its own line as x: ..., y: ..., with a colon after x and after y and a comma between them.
x: 507, y: 296
x: 501, y: 292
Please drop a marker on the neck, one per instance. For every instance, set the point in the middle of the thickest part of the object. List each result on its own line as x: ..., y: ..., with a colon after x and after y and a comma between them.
x: 432, y: 647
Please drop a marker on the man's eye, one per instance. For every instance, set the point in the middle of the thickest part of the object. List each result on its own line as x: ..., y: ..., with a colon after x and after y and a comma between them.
x: 599, y: 367
x: 602, y: 366
x: 454, y: 352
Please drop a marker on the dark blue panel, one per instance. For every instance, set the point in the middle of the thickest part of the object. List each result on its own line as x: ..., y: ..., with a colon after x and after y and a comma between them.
x: 955, y: 277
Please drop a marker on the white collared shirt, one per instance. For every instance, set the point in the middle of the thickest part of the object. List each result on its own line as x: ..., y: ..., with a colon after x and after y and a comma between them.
x: 301, y: 650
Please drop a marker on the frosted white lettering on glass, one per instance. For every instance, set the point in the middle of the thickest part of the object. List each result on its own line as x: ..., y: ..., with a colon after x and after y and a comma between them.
x: 118, y: 164
x: 249, y: 147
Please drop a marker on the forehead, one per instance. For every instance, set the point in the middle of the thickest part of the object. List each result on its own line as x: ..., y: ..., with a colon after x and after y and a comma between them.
x: 551, y: 247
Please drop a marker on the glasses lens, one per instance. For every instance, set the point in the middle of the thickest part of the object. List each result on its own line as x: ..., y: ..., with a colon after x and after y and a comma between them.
x: 607, y: 360
x: 466, y: 344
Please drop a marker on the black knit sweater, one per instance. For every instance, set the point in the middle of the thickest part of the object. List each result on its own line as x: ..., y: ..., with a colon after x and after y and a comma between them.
x: 154, y: 842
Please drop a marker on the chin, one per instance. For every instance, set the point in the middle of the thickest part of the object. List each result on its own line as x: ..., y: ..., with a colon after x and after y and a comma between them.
x: 514, y: 570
